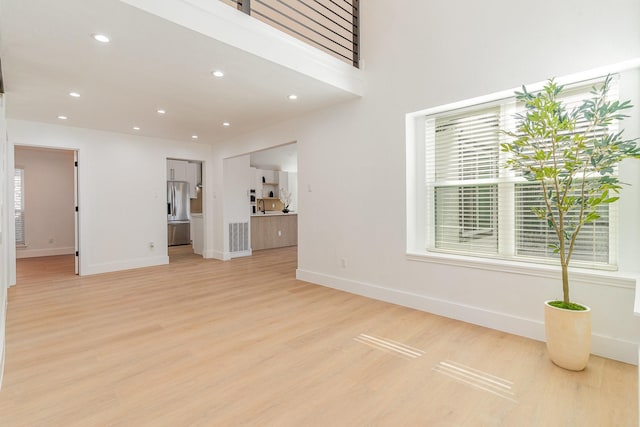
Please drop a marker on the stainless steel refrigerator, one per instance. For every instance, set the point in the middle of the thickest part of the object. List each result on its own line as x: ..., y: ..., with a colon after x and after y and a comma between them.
x: 178, y: 213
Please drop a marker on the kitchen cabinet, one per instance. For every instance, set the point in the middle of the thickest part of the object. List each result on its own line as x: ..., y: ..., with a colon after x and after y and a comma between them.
x: 256, y: 179
x: 182, y: 170
x: 192, y: 179
x: 177, y: 170
x: 273, y: 231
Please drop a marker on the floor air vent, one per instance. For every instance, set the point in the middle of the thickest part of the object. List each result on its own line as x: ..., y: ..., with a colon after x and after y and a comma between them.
x: 238, y: 237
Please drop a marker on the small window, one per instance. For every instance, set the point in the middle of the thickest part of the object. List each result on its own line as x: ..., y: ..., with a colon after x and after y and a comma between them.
x: 18, y: 197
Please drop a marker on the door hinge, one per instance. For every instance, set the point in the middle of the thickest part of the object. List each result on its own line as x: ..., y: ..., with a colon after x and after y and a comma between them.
x: 77, y: 253
x: 75, y: 164
x: 76, y: 209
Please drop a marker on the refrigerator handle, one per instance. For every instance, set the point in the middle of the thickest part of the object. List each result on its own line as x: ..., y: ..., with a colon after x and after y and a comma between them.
x: 173, y: 196
x: 168, y: 208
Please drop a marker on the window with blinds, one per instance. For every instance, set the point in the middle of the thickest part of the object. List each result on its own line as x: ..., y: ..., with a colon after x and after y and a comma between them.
x: 475, y: 206
x: 466, y: 152
x: 18, y: 198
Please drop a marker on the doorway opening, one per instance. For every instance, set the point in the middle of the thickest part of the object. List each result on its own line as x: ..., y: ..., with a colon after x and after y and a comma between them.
x: 46, y: 214
x: 274, y: 209
x: 185, y: 208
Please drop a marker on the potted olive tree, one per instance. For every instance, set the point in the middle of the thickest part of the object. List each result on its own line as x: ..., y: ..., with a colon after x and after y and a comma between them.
x: 572, y: 154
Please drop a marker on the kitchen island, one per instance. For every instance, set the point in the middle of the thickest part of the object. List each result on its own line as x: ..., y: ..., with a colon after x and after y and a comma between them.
x: 274, y: 229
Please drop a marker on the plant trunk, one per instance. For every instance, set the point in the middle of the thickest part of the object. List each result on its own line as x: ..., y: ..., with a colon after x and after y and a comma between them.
x: 565, y: 282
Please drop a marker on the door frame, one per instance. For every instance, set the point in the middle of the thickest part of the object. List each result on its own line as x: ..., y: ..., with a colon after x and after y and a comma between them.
x: 76, y: 215
x: 76, y: 186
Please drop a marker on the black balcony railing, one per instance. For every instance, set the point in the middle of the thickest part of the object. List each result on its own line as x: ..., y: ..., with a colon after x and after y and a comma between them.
x: 331, y: 25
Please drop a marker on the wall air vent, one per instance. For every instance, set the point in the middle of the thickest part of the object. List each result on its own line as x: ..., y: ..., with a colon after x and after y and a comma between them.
x: 238, y: 238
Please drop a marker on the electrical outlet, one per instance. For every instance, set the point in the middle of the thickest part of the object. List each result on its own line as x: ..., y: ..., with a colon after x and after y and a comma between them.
x: 51, y: 240
x: 152, y: 245
x: 343, y: 262
x: 279, y: 233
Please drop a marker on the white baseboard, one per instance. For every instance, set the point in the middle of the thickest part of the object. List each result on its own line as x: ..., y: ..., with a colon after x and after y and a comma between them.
x: 601, y: 345
x: 226, y: 256
x: 239, y: 254
x: 33, y: 253
x: 213, y: 254
x: 129, y: 264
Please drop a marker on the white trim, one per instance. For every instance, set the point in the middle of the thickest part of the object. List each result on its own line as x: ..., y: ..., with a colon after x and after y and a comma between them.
x: 601, y: 345
x: 239, y: 254
x: 213, y: 254
x: 587, y: 276
x: 636, y: 302
x: 497, y: 96
x: 22, y: 252
x: 108, y: 267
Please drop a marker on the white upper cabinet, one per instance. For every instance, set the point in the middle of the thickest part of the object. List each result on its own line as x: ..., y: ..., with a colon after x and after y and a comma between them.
x: 177, y: 170
x: 182, y: 170
x: 192, y: 179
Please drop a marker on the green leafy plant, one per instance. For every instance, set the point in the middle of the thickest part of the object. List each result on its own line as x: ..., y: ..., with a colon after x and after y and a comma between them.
x: 573, y: 155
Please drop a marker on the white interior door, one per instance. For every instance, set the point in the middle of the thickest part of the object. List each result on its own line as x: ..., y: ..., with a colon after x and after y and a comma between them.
x: 75, y: 214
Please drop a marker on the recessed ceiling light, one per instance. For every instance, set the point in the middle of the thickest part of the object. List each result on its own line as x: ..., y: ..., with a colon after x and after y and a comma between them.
x: 63, y: 117
x: 218, y: 73
x: 293, y: 97
x: 74, y: 94
x: 161, y: 111
x: 226, y: 124
x: 194, y: 136
x: 136, y: 128
x: 101, y: 38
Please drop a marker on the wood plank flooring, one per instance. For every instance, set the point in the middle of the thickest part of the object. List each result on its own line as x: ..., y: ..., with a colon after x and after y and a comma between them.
x: 209, y: 343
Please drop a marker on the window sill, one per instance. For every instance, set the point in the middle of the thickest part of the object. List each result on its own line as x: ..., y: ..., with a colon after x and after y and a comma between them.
x: 599, y: 277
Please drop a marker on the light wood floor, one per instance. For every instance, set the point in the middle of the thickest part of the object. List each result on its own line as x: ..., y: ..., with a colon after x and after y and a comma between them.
x: 206, y: 343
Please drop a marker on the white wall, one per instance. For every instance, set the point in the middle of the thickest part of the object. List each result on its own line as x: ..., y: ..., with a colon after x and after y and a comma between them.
x: 122, y: 191
x: 350, y: 158
x: 49, y: 201
x: 293, y: 188
x: 237, y: 182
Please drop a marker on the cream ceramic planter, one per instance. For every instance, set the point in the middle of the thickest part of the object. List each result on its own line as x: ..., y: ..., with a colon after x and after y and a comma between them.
x: 568, y: 336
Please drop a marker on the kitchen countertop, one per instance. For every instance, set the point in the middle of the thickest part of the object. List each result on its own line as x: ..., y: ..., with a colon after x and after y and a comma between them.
x: 274, y: 213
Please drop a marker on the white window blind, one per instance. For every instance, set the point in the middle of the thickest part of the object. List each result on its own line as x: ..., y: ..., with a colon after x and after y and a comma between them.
x: 465, y: 151
x: 533, y: 235
x: 475, y: 206
x: 18, y: 198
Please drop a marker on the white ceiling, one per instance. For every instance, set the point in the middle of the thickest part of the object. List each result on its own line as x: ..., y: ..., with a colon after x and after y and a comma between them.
x: 47, y: 51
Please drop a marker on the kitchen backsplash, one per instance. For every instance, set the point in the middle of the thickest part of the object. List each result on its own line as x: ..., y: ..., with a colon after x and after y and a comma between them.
x: 270, y: 204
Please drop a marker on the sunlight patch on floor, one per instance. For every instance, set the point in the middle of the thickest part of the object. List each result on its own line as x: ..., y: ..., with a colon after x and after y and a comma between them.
x: 477, y: 379
x: 389, y: 345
